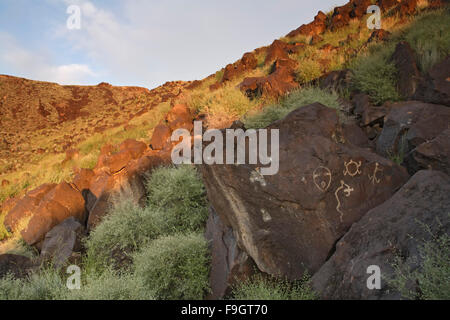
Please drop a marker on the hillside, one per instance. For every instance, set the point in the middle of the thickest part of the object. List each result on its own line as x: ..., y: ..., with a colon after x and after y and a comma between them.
x: 363, y: 118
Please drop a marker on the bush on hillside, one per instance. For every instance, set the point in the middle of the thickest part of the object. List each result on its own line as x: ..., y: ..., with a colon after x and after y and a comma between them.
x: 263, y: 288
x: 46, y: 284
x: 175, y: 267
x: 180, y: 195
x: 432, y: 280
x: 125, y: 228
x: 292, y: 101
x: 111, y: 286
x: 376, y: 75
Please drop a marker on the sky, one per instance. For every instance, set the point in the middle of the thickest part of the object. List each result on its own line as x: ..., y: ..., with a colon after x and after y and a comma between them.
x: 140, y: 42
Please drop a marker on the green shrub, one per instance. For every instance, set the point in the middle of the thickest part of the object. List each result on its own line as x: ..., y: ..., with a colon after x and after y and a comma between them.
x: 111, y: 286
x: 375, y: 75
x: 308, y: 70
x: 432, y: 279
x: 46, y: 284
x: 180, y: 194
x: 429, y: 36
x: 125, y: 228
x: 263, y: 288
x: 292, y: 101
x: 175, y: 267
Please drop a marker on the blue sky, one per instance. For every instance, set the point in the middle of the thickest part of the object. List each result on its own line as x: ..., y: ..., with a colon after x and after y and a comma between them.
x: 140, y: 42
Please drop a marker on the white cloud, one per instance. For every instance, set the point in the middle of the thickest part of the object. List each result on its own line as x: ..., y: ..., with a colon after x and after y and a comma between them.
x: 36, y: 66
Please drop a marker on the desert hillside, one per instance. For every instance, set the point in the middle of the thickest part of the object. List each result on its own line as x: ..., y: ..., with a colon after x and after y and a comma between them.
x: 363, y: 172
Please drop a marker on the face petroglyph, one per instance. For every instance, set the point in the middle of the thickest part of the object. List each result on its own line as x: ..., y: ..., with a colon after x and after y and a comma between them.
x: 322, y: 178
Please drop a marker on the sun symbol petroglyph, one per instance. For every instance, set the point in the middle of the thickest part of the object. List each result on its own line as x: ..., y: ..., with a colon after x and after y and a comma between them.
x: 373, y: 177
x: 352, y: 168
x: 347, y: 190
x: 322, y: 178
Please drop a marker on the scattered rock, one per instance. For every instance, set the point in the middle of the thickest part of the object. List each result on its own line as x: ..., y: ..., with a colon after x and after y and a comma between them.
x: 409, y: 124
x: 61, y: 241
x: 278, y: 83
x: 25, y: 207
x: 395, y: 228
x: 435, y: 87
x: 160, y: 137
x: 60, y: 203
x: 318, y: 26
x: 379, y: 35
x: 289, y: 222
x: 246, y: 63
x: 408, y: 74
x: 180, y: 116
x: 433, y: 155
x: 277, y: 50
x: 336, y: 80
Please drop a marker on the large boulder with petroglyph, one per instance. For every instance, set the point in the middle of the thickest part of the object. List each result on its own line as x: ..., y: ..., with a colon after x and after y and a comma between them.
x: 289, y: 222
x: 396, y: 229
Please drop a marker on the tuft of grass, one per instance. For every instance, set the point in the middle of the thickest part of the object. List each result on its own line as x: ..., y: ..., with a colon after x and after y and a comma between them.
x: 221, y: 106
x: 270, y: 288
x: 429, y: 36
x: 126, y: 228
x: 375, y: 74
x: 180, y: 192
x: 290, y: 102
x: 46, y: 284
x: 111, y: 285
x: 175, y: 267
x: 432, y: 280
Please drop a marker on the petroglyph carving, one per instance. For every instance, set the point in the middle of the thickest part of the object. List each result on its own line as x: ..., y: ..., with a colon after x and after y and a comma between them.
x: 322, y: 178
x: 373, y: 177
x: 352, y: 168
x: 347, y: 191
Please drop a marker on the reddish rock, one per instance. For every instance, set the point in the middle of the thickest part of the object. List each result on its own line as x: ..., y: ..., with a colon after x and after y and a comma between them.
x: 135, y: 148
x: 386, y: 5
x: 229, y: 264
x: 180, y: 116
x: 5, y: 183
x: 26, y: 206
x: 433, y: 155
x: 435, y: 87
x: 248, y: 62
x: 416, y: 213
x: 409, y: 124
x: 379, y: 35
x: 277, y: 50
x: 318, y: 26
x: 408, y: 74
x: 160, y: 137
x: 289, y: 222
x: 278, y: 83
x: 60, y: 203
x: 83, y: 178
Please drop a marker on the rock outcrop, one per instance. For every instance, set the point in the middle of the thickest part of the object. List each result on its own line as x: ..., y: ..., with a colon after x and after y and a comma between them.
x: 62, y: 241
x: 289, y: 222
x: 435, y: 86
x: 276, y: 84
x: 398, y: 227
x: 409, y: 124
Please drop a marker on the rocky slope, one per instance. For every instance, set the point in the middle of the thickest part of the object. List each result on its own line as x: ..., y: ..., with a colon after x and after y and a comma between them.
x: 339, y: 203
